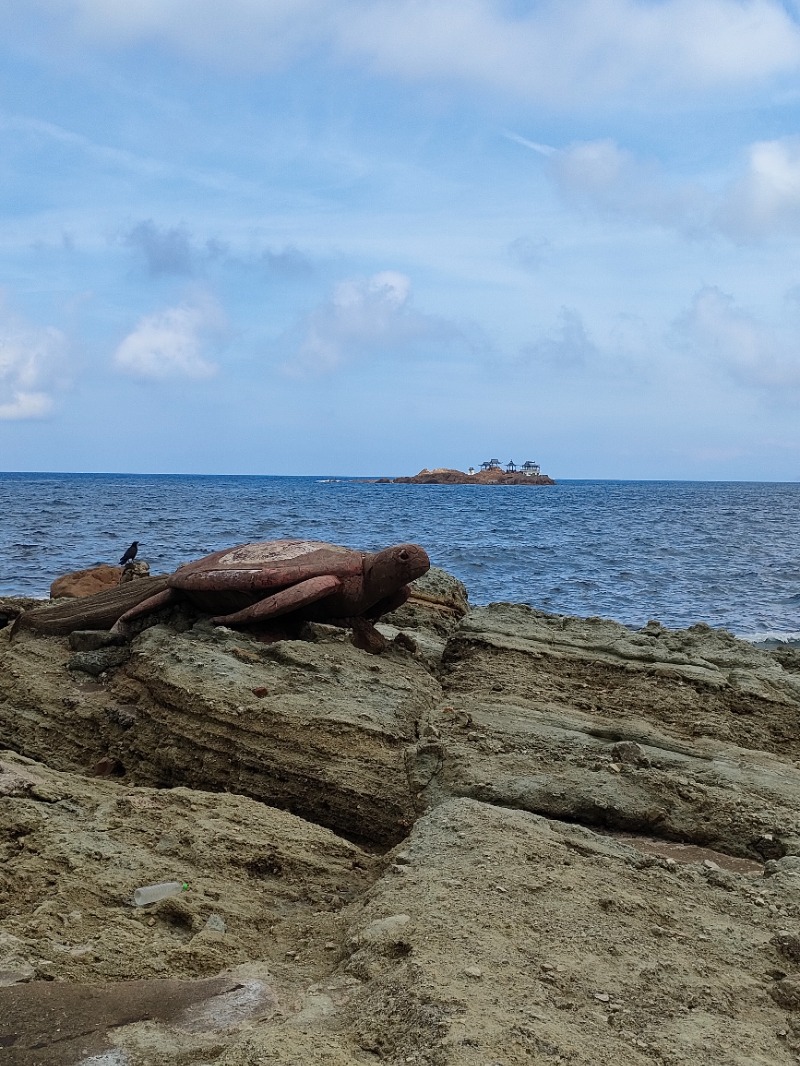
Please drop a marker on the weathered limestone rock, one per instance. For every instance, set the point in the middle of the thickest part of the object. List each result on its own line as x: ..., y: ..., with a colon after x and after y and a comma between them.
x: 11, y: 607
x: 134, y: 571
x: 438, y: 602
x: 85, y: 844
x: 265, y: 891
x: 319, y: 728
x: 92, y: 639
x: 526, y: 940
x: 99, y: 660
x: 536, y: 708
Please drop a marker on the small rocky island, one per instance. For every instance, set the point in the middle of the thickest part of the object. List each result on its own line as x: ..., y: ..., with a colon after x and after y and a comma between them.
x: 490, y: 473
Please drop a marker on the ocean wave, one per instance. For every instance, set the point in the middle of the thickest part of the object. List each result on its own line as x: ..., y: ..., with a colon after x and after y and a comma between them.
x: 773, y: 639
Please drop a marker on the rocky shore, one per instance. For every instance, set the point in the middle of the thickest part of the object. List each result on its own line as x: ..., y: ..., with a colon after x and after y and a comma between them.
x: 446, y: 476
x: 511, y: 838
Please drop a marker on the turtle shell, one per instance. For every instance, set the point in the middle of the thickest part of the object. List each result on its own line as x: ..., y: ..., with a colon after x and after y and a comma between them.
x: 235, y: 577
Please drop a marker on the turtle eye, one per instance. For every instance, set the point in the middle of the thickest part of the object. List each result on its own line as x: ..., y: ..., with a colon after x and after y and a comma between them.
x: 403, y: 556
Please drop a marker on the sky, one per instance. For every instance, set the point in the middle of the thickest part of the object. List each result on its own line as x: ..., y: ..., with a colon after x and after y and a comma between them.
x: 363, y: 237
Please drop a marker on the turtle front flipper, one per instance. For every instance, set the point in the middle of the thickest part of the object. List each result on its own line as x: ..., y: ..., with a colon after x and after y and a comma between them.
x: 289, y: 599
x: 388, y: 604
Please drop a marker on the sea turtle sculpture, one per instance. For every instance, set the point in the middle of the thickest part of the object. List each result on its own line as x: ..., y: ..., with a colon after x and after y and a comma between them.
x: 254, y: 583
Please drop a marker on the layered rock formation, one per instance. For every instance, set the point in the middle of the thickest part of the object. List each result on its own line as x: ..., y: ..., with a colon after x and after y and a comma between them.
x: 512, y: 838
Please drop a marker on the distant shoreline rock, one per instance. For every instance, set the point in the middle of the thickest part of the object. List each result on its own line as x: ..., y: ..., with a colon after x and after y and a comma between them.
x: 446, y: 476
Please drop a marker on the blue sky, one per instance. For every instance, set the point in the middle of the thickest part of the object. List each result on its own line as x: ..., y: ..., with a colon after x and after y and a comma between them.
x: 363, y: 237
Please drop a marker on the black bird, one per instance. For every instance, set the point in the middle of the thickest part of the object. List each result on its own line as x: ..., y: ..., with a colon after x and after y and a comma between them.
x: 130, y: 554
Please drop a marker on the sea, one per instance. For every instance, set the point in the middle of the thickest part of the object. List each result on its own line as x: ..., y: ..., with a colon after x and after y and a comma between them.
x: 722, y: 553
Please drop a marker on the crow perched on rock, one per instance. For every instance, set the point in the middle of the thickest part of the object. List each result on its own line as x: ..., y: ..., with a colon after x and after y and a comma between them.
x: 130, y: 554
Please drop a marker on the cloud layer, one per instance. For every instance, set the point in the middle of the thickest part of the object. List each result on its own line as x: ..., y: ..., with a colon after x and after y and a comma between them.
x: 553, y: 52
x: 306, y: 199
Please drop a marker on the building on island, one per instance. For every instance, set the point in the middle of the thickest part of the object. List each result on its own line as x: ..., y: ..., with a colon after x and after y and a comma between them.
x: 491, y: 472
x: 528, y: 467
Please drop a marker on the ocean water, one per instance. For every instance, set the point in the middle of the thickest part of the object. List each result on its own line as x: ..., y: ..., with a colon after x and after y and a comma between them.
x: 725, y: 553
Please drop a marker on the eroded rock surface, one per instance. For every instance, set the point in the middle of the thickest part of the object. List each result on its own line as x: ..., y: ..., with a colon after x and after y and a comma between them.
x: 690, y: 735
x: 319, y: 728
x: 499, y: 936
x: 500, y: 753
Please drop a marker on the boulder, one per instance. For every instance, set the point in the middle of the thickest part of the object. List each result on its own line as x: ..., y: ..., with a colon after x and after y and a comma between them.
x: 133, y: 571
x: 438, y: 601
x: 86, y: 582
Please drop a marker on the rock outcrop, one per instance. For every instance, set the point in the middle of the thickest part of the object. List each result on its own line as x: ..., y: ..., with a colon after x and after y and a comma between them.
x: 86, y: 582
x: 82, y: 583
x: 513, y: 837
x: 493, y: 476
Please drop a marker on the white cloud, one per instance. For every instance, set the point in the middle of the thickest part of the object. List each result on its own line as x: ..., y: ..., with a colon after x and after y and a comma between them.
x: 754, y: 352
x: 761, y: 203
x: 365, y: 315
x: 260, y: 34
x: 602, y: 176
x: 23, y: 405
x: 766, y: 200
x: 570, y: 53
x: 556, y: 52
x: 31, y: 367
x: 173, y: 343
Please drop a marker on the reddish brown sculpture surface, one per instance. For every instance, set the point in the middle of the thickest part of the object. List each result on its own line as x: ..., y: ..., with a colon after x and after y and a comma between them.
x: 308, y: 579
x: 251, y: 584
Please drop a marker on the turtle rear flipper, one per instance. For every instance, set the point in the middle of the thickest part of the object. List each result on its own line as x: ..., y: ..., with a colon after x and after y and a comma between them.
x: 154, y: 603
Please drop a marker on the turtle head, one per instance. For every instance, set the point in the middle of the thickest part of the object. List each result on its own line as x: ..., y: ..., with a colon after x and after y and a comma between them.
x: 389, y: 570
